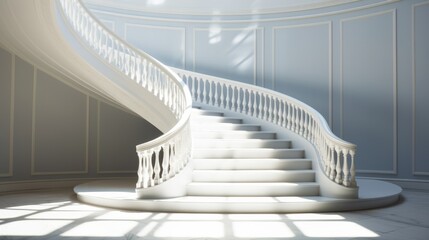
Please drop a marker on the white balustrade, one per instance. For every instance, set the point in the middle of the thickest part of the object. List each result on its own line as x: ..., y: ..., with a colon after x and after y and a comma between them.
x: 336, y: 156
x: 165, y: 156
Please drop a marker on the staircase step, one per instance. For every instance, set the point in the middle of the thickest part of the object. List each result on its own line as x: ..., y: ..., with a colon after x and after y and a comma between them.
x: 234, y: 134
x: 215, y: 119
x: 247, y: 153
x: 253, y: 176
x: 253, y: 189
x: 248, y: 143
x: 202, y: 112
x: 251, y: 164
x: 225, y: 126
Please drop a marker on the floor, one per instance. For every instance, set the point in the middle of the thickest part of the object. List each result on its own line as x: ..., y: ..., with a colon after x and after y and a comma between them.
x: 56, y: 214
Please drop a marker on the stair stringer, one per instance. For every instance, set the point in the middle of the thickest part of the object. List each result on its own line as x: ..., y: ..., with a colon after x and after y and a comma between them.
x: 328, y: 188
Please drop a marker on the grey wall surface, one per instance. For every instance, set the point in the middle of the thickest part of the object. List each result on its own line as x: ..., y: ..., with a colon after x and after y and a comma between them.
x: 364, y: 65
x: 49, y: 130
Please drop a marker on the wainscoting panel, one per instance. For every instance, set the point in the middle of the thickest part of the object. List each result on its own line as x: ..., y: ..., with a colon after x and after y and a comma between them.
x: 22, y: 118
x: 60, y: 133
x: 226, y: 52
x: 6, y: 111
x: 302, y: 64
x: 421, y: 88
x: 118, y: 135
x: 368, y: 89
x: 167, y: 44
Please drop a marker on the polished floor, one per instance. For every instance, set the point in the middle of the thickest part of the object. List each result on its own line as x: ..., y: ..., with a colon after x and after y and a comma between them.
x: 56, y: 214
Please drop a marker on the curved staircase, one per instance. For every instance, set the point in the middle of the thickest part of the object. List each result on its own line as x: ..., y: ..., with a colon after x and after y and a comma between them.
x: 242, y: 148
x: 239, y: 167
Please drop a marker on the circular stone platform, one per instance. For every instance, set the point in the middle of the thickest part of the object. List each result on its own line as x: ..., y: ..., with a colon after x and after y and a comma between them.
x: 121, y: 194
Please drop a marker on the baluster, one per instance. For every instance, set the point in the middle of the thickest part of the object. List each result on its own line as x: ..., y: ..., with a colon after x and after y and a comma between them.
x: 254, y: 104
x: 346, y: 171
x: 301, y: 122
x: 194, y: 89
x: 238, y: 100
x: 292, y: 117
x: 352, y: 169
x: 226, y: 90
x: 139, y: 183
x: 165, y: 161
x: 249, y: 103
x: 243, y: 102
x: 210, y: 100
x: 260, y: 113
x: 284, y: 106
x: 330, y: 154
x: 216, y: 96
x: 198, y: 92
x: 204, y: 94
x: 332, y: 173
x: 233, y: 100
x: 222, y: 97
x: 279, y: 112
x: 147, y: 169
x: 172, y: 159
x: 157, y: 169
x: 266, y: 115
x: 338, y: 169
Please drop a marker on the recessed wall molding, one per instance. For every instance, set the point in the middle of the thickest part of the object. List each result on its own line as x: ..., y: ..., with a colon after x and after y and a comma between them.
x: 9, y: 172
x: 157, y: 32
x: 415, y: 172
x: 217, y: 34
x: 99, y: 169
x: 394, y: 100
x: 34, y: 171
x: 329, y: 60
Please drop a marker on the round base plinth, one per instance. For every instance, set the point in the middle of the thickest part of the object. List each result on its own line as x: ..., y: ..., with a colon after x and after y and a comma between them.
x: 121, y: 194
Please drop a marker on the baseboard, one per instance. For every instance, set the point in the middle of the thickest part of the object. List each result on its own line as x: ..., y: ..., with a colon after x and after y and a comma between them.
x: 412, y: 184
x: 16, y: 186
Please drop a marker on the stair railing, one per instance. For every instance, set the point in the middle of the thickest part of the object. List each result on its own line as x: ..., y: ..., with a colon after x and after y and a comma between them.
x: 336, y: 156
x: 165, y: 156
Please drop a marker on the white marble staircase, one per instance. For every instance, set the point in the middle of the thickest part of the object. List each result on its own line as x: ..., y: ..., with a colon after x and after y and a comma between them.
x: 240, y: 168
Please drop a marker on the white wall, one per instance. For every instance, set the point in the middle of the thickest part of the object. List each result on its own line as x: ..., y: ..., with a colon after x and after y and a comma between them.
x: 49, y: 130
x: 364, y: 65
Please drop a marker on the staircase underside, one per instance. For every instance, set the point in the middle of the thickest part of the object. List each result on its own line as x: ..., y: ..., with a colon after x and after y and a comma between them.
x: 121, y: 194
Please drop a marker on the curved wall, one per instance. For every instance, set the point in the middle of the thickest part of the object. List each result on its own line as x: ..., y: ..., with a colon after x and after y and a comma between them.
x: 362, y: 64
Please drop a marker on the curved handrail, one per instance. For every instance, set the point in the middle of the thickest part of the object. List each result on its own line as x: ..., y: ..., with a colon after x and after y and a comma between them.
x: 336, y: 156
x: 172, y: 150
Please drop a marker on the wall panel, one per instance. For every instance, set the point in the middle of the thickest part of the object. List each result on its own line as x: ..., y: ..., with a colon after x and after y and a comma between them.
x: 226, y: 52
x: 6, y: 111
x: 421, y: 87
x: 302, y: 63
x: 60, y: 128
x: 368, y: 89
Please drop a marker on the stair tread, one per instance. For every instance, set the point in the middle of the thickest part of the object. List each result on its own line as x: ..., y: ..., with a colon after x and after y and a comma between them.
x: 246, y: 184
x: 255, y: 171
x: 253, y: 159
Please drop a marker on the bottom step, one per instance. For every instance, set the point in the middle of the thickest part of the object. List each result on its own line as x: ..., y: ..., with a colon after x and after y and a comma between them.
x: 253, y: 189
x: 121, y: 194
